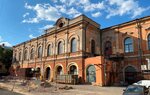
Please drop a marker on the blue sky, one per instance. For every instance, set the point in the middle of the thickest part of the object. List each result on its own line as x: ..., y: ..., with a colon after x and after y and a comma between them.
x: 22, y: 20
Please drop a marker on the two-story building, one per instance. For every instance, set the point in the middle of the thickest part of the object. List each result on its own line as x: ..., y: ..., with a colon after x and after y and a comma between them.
x: 78, y: 46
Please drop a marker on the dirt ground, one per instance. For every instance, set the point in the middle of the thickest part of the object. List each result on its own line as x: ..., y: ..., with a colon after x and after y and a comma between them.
x: 6, y: 92
x: 37, y: 88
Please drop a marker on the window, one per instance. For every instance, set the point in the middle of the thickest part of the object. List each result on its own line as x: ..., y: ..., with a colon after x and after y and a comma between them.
x: 60, y: 47
x: 73, y: 45
x: 25, y: 55
x: 19, y: 56
x: 128, y: 45
x: 148, y: 39
x: 92, y: 46
x: 14, y: 58
x: 32, y: 54
x: 108, y: 48
x: 39, y: 52
x: 49, y: 50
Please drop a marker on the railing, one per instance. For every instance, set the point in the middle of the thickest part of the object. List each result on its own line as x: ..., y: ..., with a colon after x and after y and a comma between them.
x: 67, y: 79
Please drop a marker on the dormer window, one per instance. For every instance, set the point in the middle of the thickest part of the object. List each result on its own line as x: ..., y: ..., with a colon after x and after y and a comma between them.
x: 61, y: 24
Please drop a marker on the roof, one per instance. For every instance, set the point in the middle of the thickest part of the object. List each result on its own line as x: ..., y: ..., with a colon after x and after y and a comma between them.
x: 127, y: 23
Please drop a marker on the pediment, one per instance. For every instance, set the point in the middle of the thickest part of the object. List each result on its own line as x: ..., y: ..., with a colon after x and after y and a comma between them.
x: 61, y: 22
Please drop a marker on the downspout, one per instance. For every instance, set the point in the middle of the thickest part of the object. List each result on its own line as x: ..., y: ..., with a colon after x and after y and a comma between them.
x: 41, y: 56
x: 54, y: 72
x: 45, y: 40
x: 139, y: 42
x: 22, y: 59
x: 84, y: 54
x: 85, y: 38
x: 67, y: 53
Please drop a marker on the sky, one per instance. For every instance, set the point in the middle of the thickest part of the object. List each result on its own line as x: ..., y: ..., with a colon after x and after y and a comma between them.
x: 22, y: 20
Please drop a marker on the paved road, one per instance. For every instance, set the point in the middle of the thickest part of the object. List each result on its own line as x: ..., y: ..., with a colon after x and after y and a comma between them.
x: 6, y: 92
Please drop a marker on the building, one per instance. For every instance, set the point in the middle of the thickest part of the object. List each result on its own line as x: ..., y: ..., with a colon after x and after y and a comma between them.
x: 113, y: 55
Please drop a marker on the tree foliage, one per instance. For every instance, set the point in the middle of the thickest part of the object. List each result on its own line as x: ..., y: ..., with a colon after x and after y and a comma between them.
x: 6, y: 56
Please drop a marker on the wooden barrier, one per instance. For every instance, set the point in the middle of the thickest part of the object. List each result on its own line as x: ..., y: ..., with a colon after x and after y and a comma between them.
x: 67, y: 79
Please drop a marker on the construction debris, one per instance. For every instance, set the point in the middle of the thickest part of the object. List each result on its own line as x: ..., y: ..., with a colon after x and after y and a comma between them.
x: 66, y: 88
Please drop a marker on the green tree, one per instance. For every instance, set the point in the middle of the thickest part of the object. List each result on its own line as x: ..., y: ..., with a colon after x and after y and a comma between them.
x: 6, y: 56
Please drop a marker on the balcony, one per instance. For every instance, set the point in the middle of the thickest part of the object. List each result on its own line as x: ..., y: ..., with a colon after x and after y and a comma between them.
x: 115, y: 57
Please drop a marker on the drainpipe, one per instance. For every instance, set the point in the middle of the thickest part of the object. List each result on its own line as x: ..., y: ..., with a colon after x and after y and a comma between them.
x: 85, y: 28
x: 139, y: 42
x: 55, y: 36
x: 45, y: 40
x: 42, y: 70
x: 84, y: 56
x: 67, y: 52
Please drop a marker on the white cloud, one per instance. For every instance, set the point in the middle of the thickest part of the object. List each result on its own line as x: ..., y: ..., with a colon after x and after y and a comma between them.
x: 1, y: 39
x: 31, y: 36
x: 46, y: 27
x: 75, y: 2
x: 26, y: 14
x: 97, y: 14
x: 73, y: 12
x: 43, y: 12
x: 94, y: 6
x: 55, y: 1
x: 61, y: 8
x: 31, y: 20
x: 68, y: 2
x: 123, y: 7
x: 74, y: 8
x: 6, y: 44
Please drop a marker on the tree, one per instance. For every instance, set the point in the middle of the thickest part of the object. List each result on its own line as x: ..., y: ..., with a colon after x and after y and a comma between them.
x: 6, y: 56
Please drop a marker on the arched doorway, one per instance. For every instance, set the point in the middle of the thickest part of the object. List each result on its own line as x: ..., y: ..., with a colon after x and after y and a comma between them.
x: 48, y: 73
x: 91, y: 74
x: 130, y: 74
x: 59, y: 70
x: 73, y: 70
x: 38, y: 72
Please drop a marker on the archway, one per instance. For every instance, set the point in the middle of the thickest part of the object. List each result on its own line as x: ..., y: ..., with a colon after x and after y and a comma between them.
x: 59, y: 70
x: 91, y: 74
x: 73, y: 70
x: 130, y: 74
x: 48, y: 73
x: 38, y: 72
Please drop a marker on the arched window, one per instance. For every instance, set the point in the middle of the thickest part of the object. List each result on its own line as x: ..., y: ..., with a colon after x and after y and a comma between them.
x: 92, y: 46
x: 14, y: 58
x: 60, y: 47
x: 25, y: 55
x: 148, y: 39
x: 39, y: 52
x: 19, y: 56
x: 32, y: 54
x: 49, y: 50
x: 108, y: 48
x: 73, y: 45
x: 128, y: 45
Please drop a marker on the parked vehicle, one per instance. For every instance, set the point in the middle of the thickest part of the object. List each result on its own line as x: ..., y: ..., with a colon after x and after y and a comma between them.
x: 136, y: 90
x: 145, y: 83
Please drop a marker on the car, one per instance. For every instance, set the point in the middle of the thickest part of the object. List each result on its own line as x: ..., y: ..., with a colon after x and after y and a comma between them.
x: 145, y: 83
x: 136, y: 90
